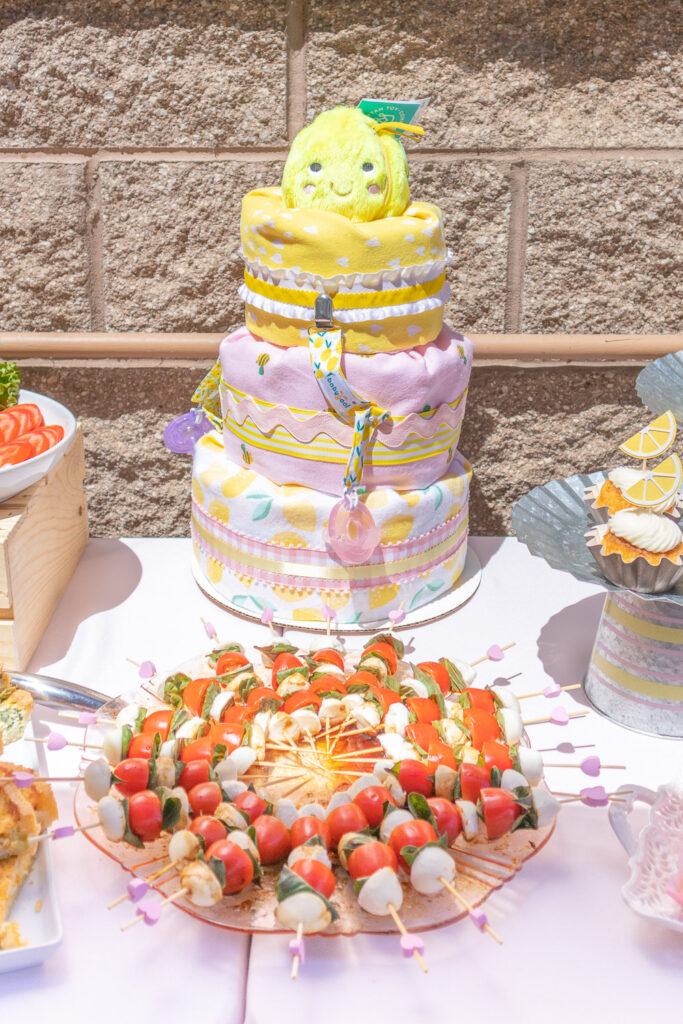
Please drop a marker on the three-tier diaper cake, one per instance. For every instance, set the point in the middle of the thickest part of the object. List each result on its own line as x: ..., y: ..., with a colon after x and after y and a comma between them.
x: 332, y: 485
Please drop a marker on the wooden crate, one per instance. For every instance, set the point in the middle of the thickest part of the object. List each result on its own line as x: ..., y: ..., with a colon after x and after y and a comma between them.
x: 43, y: 532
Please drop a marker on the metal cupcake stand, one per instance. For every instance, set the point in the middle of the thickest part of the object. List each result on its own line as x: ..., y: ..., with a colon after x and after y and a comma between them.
x: 635, y: 675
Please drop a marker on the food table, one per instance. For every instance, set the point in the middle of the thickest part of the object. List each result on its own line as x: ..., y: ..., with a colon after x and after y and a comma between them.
x: 571, y: 945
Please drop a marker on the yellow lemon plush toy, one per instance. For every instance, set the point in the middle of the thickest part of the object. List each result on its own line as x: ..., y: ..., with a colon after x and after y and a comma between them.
x: 342, y: 163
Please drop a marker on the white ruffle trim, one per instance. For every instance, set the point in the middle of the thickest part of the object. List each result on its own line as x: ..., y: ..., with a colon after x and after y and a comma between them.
x: 345, y: 316
x: 383, y: 280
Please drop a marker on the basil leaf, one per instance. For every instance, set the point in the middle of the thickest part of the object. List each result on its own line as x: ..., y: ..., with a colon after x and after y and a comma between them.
x: 290, y: 883
x: 457, y: 681
x: 129, y: 836
x: 141, y: 716
x: 173, y: 689
x: 209, y: 697
x: 156, y: 746
x: 223, y: 649
x: 273, y: 703
x: 388, y: 638
x: 179, y: 768
x: 357, y: 688
x: 228, y: 677
x: 246, y: 686
x: 392, y: 683
x: 170, y: 813
x: 433, y: 688
x: 285, y: 673
x: 219, y: 752
x: 271, y: 651
x: 496, y: 776
x: 179, y: 718
x: 126, y: 737
x: 409, y: 853
x: 419, y: 808
x: 218, y: 868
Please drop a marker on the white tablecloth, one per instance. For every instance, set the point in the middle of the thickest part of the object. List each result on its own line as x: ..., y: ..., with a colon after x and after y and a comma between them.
x: 571, y: 948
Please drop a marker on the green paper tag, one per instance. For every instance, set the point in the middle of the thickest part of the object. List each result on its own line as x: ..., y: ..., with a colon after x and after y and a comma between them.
x: 406, y: 111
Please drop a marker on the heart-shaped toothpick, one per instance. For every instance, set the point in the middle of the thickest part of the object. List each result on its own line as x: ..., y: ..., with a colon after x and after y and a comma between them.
x: 559, y: 716
x: 495, y: 653
x: 87, y: 718
x: 479, y: 918
x: 411, y: 944
x: 137, y: 888
x: 56, y: 741
x: 147, y: 670
x: 554, y: 690
x: 594, y: 796
x: 298, y: 948
x: 591, y: 766
x: 150, y: 910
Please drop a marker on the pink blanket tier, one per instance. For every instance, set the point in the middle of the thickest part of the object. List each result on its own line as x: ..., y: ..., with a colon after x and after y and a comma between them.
x: 276, y: 419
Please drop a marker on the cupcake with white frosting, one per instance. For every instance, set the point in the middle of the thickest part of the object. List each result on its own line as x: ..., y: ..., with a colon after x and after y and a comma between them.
x: 641, y: 550
x: 608, y: 498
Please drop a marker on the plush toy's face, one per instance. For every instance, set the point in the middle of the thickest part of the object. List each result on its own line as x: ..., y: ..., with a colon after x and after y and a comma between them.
x: 340, y: 164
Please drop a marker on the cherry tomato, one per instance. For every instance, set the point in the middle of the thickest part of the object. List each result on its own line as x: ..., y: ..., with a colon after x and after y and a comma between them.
x: 159, y: 721
x: 194, y: 694
x: 438, y: 673
x: 496, y: 755
x: 440, y: 753
x: 500, y: 811
x: 209, y: 828
x: 239, y: 869
x: 141, y: 745
x: 237, y: 714
x: 386, y: 697
x: 362, y: 676
x: 134, y: 775
x: 15, y: 452
x: 251, y: 804
x: 448, y: 818
x: 482, y: 699
x: 260, y: 693
x: 229, y: 661
x: 144, y: 815
x: 227, y: 733
x: 328, y: 656
x: 193, y: 773
x: 414, y: 777
x: 473, y: 778
x: 422, y: 733
x: 327, y: 684
x: 482, y: 726
x: 282, y: 662
x: 371, y: 802
x: 424, y: 709
x: 205, y: 797
x: 387, y: 652
x: 343, y: 819
x: 197, y: 750
x: 318, y: 876
x: 272, y: 839
x: 303, y: 828
x: 369, y: 858
x: 411, y: 833
x: 302, y: 699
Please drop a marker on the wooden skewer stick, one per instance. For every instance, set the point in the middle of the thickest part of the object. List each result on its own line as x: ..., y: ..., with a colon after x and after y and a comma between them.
x: 75, y: 715
x: 486, y: 657
x: 404, y: 931
x: 574, y: 764
x: 354, y: 757
x: 141, y: 917
x: 299, y: 936
x: 507, y: 864
x: 327, y: 735
x: 575, y: 799
x: 549, y: 718
x: 67, y: 743
x: 293, y: 789
x: 469, y: 908
x: 542, y: 693
x: 55, y: 833
x: 339, y: 729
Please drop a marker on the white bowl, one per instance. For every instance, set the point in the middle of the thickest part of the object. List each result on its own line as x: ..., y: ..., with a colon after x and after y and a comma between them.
x: 14, y: 479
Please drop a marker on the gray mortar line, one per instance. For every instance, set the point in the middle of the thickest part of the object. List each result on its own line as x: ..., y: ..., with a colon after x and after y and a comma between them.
x: 94, y: 246
x: 255, y: 154
x: 297, y: 19
x: 516, y: 255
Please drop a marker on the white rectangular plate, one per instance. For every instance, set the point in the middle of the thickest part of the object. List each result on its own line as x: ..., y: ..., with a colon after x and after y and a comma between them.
x: 42, y: 928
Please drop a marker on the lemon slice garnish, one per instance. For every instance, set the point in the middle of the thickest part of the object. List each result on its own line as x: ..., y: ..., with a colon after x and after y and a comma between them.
x: 652, y: 440
x: 658, y: 484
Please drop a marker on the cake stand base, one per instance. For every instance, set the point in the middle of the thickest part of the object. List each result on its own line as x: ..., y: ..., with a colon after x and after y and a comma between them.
x: 635, y: 676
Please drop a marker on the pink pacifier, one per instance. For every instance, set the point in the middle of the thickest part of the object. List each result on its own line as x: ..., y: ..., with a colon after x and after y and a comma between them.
x: 352, y: 532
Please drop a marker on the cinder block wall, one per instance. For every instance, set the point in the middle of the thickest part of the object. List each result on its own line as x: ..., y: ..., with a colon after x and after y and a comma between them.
x: 130, y: 130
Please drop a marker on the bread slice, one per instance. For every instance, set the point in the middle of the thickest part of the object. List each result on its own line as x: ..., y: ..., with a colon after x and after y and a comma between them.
x: 15, y: 711
x: 13, y: 871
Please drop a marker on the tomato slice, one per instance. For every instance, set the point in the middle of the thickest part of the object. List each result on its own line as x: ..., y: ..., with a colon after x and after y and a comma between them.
x: 228, y: 733
x: 159, y: 721
x: 238, y: 714
x: 343, y: 819
x: 500, y: 811
x: 411, y: 833
x: 251, y: 804
x: 482, y: 726
x: 369, y: 858
x: 209, y: 828
x: 386, y: 697
x: 134, y: 775
x: 482, y: 699
x: 229, y: 661
x: 144, y: 815
x: 195, y: 772
x: 362, y: 676
x: 473, y: 778
x: 272, y: 839
x: 260, y: 693
x: 37, y: 439
x: 303, y: 828
x: 414, y: 777
x: 438, y: 673
x: 317, y: 874
x: 371, y: 802
x: 496, y: 755
x: 328, y: 656
x: 194, y: 694
x: 19, y: 419
x: 14, y: 452
x: 387, y: 652
x: 205, y: 797
x: 302, y: 699
x: 141, y: 745
x: 422, y: 733
x: 197, y: 750
x: 328, y: 684
x: 440, y: 753
x: 423, y: 709
x: 239, y: 868
x: 448, y: 818
x: 282, y: 662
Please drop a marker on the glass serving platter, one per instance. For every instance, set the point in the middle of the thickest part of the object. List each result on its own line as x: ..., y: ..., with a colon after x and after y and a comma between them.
x: 253, y: 910
x: 660, y: 385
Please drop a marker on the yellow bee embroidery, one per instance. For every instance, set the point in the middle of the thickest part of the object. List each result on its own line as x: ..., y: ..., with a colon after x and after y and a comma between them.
x: 461, y: 353
x: 246, y: 457
x: 261, y: 362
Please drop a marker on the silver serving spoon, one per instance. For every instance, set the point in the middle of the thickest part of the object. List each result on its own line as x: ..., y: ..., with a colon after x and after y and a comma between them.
x: 58, y: 693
